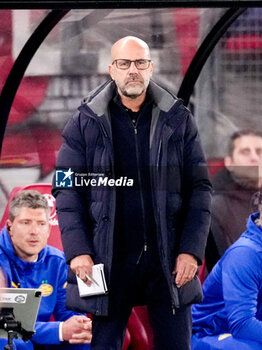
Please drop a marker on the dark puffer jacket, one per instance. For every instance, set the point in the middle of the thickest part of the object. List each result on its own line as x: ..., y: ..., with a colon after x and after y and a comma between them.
x: 231, y: 206
x: 180, y: 185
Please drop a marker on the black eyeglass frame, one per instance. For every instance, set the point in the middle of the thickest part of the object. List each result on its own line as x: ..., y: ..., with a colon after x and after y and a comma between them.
x: 130, y: 61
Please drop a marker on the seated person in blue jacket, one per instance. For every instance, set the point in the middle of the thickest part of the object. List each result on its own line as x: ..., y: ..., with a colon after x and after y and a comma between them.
x: 230, y: 316
x: 28, y: 262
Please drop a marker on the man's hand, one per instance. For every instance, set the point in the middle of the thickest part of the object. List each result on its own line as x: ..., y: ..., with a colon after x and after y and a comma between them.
x: 82, y: 265
x: 77, y: 330
x: 185, y: 269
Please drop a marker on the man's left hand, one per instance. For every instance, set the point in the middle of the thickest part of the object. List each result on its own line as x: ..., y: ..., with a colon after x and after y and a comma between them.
x: 185, y: 269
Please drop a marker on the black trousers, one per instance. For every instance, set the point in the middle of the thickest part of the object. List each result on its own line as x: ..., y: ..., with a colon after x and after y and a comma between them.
x: 129, y: 283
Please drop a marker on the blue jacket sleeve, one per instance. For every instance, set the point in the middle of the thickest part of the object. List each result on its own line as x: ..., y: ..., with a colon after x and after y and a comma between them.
x: 17, y: 344
x: 61, y: 313
x: 241, y: 276
x: 48, y: 332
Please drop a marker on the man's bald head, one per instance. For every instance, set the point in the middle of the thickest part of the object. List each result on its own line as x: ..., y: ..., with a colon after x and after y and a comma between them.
x: 124, y: 45
x: 132, y: 78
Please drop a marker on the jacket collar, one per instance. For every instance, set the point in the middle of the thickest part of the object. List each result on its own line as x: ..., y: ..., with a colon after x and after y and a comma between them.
x: 98, y: 99
x: 164, y: 99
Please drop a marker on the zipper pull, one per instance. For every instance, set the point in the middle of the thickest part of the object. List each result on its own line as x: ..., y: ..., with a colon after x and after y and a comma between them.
x: 145, y: 247
x: 140, y: 256
x: 135, y: 130
x: 173, y: 310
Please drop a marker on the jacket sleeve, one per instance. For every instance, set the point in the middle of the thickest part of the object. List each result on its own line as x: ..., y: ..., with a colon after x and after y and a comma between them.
x: 61, y: 313
x: 241, y: 278
x: 17, y: 344
x: 48, y: 332
x: 71, y: 203
x: 196, y: 194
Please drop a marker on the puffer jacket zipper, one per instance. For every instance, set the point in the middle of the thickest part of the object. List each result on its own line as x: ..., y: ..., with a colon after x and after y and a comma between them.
x: 145, y: 244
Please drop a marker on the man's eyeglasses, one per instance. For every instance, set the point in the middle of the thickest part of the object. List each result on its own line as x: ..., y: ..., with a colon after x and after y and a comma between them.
x: 125, y: 64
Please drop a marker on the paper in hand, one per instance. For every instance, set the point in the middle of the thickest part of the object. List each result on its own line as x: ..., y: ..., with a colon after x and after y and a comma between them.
x: 97, y: 287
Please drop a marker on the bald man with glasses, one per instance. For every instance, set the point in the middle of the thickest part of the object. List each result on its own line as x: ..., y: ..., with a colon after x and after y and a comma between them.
x: 150, y: 235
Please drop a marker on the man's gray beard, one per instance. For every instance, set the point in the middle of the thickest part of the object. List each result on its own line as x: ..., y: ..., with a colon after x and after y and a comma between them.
x: 132, y: 96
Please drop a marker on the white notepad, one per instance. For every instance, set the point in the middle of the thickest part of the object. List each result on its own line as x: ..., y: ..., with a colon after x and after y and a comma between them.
x: 97, y: 287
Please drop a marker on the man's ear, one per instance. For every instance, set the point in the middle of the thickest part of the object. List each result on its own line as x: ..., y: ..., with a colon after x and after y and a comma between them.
x: 8, y: 225
x: 151, y: 68
x: 110, y: 70
x: 228, y: 162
